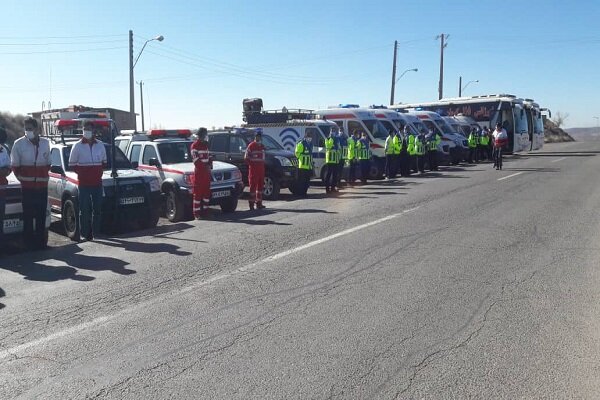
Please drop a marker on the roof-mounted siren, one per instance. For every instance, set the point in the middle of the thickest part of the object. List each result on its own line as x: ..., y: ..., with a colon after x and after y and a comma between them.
x: 376, y: 107
x: 348, y: 106
x: 252, y: 106
x: 164, y: 133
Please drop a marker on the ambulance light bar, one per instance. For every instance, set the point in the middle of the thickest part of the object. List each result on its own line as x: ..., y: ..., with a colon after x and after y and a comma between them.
x: 164, y: 133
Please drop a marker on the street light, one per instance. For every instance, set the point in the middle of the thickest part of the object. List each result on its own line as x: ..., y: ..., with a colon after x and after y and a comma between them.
x: 462, y: 88
x: 396, y: 81
x: 132, y: 64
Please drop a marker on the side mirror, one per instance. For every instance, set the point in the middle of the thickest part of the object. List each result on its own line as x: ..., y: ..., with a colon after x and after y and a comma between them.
x: 154, y: 162
x: 57, y: 169
x: 135, y: 164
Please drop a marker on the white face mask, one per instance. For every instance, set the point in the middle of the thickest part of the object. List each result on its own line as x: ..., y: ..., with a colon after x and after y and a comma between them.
x: 309, y: 139
x: 87, y: 135
x: 30, y: 135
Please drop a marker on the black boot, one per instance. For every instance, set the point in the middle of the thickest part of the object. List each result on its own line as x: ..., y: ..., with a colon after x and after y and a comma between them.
x: 251, y: 205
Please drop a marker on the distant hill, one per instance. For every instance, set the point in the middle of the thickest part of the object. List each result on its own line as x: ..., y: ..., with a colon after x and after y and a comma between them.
x: 13, y: 124
x: 553, y: 134
x: 585, y: 134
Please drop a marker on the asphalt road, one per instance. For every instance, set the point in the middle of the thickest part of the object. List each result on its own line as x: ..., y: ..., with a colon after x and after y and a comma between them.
x: 468, y: 283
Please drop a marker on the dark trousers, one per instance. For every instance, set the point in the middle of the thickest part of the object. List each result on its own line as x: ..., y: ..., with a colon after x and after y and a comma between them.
x: 304, y: 176
x: 489, y: 151
x: 365, y: 166
x: 35, y: 203
x: 498, y: 157
x: 331, y: 176
x: 352, y: 171
x: 389, y: 165
x: 413, y: 163
x: 481, y: 149
x: 433, y: 160
x: 472, y: 155
x: 341, y: 171
x: 403, y: 164
x: 421, y: 163
x: 90, y: 209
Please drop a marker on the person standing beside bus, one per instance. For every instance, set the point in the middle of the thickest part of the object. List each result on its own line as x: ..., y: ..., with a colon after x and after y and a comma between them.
x: 363, y: 150
x: 420, y: 143
x: 343, y: 142
x: 472, y: 143
x: 88, y: 159
x: 433, y: 141
x: 352, y: 156
x: 303, y: 153
x: 500, y: 140
x: 4, y: 172
x: 484, y: 141
x: 30, y: 161
x: 332, y: 155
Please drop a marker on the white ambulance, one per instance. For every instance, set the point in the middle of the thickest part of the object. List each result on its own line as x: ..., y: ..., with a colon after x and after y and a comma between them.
x: 351, y: 117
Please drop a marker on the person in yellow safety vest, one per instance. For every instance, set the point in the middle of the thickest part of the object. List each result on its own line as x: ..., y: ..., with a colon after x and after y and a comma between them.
x: 363, y: 151
x: 490, y: 142
x: 303, y: 152
x: 343, y: 140
x: 332, y: 161
x: 389, y: 155
x: 403, y: 157
x: 412, y: 155
x: 420, y: 145
x: 397, y: 142
x: 472, y: 143
x: 433, y: 140
x: 352, y: 156
x: 484, y: 142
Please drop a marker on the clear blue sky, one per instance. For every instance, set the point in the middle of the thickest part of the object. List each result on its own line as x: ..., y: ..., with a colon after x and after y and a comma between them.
x: 305, y: 54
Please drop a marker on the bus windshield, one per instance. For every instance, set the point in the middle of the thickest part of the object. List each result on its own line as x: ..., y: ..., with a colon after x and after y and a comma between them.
x: 538, y: 123
x: 376, y: 128
x: 520, y: 117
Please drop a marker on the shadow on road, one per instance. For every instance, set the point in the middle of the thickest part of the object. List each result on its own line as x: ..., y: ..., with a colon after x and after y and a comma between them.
x: 2, y: 294
x: 141, y: 247
x: 245, y: 217
x: 531, y: 169
x: 34, y: 265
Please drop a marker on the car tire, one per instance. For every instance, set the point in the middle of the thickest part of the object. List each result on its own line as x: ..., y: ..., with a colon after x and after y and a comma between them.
x: 376, y: 170
x: 174, y: 207
x: 229, y: 204
x: 271, y: 189
x: 70, y: 219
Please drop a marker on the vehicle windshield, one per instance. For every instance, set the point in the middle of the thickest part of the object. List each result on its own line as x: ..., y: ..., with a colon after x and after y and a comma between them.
x: 538, y: 123
x: 376, y: 128
x: 444, y: 126
x: 388, y: 125
x: 267, y: 141
x: 175, y: 152
x: 465, y: 130
x: 430, y: 125
x: 421, y: 128
x: 326, y: 129
x: 121, y: 161
x: 520, y: 117
x: 401, y: 124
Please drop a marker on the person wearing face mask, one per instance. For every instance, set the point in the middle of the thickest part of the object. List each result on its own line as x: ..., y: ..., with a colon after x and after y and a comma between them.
x: 303, y: 153
x: 30, y: 161
x: 352, y: 156
x: 88, y: 160
x: 4, y: 172
x: 343, y: 141
x: 255, y: 158
x: 332, y: 159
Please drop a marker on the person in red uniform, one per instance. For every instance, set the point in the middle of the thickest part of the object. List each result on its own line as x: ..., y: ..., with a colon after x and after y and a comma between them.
x: 255, y: 158
x: 201, y: 159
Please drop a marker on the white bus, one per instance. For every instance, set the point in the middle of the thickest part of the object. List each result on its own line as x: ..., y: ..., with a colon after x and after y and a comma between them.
x: 535, y: 123
x: 486, y: 110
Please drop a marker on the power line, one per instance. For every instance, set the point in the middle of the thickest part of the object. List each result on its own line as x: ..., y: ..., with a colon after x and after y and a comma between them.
x: 59, y: 37
x: 61, y: 43
x: 62, y: 51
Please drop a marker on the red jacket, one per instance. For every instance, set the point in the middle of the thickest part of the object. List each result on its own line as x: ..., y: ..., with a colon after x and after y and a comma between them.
x: 255, y: 155
x: 88, y: 159
x: 200, y: 154
x: 31, y: 162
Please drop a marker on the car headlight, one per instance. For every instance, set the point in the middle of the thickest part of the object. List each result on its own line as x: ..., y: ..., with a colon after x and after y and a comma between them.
x: 188, y: 179
x: 236, y: 175
x: 154, y: 185
x: 284, y: 161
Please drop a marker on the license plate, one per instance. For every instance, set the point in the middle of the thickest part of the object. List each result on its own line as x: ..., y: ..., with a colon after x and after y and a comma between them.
x: 223, y: 193
x: 12, y: 223
x: 131, y: 200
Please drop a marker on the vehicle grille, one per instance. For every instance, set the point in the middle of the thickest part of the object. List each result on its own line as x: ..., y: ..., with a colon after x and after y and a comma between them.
x: 127, y: 189
x: 294, y: 161
x: 221, y: 176
x: 13, y: 195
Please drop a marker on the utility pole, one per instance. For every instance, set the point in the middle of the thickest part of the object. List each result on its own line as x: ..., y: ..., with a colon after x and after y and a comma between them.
x: 131, y: 87
x: 442, y: 47
x: 460, y: 86
x: 142, y: 104
x: 394, y: 72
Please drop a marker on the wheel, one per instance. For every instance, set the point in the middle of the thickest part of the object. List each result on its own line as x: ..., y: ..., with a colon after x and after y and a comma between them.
x: 271, y: 189
x: 229, y: 204
x: 175, y: 209
x: 70, y: 219
x: 376, y: 170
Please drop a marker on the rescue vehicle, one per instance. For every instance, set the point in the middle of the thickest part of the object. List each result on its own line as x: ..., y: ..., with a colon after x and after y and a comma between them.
x: 229, y: 145
x: 351, y: 117
x: 394, y: 120
x: 166, y: 155
x: 288, y: 127
x: 131, y: 198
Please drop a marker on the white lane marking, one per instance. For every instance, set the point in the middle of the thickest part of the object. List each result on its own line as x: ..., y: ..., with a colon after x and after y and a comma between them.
x: 559, y: 159
x: 100, y: 320
x: 510, y: 176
